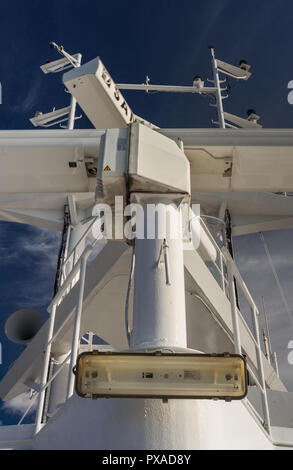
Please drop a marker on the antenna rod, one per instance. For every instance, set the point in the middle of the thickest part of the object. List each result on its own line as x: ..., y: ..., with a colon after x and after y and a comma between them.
x: 71, y: 118
x: 75, y: 63
x: 265, y: 340
x: 166, y: 88
x: 217, y: 84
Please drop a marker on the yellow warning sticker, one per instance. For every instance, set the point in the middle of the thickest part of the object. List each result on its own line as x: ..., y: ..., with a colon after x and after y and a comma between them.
x: 107, y: 168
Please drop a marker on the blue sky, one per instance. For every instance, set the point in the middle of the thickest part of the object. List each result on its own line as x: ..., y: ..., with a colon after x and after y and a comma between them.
x: 166, y: 40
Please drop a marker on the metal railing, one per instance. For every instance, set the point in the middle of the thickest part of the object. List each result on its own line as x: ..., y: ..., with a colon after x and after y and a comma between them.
x: 89, y: 346
x: 78, y: 267
x: 259, y: 379
x: 225, y: 271
x: 72, y: 258
x: 218, y: 268
x: 76, y: 274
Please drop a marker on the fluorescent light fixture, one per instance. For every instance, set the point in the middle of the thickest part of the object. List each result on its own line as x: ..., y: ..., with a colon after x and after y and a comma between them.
x: 159, y: 375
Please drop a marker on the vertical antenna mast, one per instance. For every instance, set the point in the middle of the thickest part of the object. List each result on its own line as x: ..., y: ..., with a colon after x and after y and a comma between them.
x: 75, y: 61
x: 217, y: 83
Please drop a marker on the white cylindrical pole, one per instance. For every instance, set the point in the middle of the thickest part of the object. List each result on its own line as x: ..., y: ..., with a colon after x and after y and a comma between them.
x: 159, y: 322
x: 217, y: 84
x: 159, y: 317
x: 71, y: 118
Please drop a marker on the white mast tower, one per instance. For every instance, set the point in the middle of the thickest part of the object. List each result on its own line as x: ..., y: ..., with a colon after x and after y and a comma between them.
x: 149, y: 298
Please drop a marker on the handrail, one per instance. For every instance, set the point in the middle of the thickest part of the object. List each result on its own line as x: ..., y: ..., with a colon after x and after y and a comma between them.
x: 61, y: 366
x: 73, y: 253
x: 84, y: 235
x: 56, y: 373
x: 66, y: 284
x: 81, y: 264
x: 239, y: 278
x: 233, y: 272
x: 224, y: 257
x: 77, y: 325
x: 28, y: 408
x: 219, y: 268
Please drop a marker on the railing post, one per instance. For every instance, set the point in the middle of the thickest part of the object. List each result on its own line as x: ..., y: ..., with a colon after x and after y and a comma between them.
x: 275, y: 359
x: 261, y: 371
x: 222, y: 272
x: 234, y: 309
x: 45, y: 369
x: 91, y: 335
x: 77, y: 323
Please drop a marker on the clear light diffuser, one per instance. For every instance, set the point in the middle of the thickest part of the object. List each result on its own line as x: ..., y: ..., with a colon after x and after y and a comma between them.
x: 111, y: 374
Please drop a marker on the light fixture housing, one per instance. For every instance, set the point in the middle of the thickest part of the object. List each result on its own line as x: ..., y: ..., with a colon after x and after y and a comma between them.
x: 105, y: 374
x: 58, y: 65
x: 241, y: 72
x: 50, y: 119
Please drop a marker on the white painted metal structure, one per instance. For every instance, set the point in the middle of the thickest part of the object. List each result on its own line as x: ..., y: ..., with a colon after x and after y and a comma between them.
x: 58, y: 116
x: 35, y: 187
x: 179, y: 300
x: 238, y: 73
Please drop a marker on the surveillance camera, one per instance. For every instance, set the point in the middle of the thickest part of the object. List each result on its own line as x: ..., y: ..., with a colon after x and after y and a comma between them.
x: 250, y: 111
x: 198, y: 81
x: 252, y: 116
x: 244, y: 65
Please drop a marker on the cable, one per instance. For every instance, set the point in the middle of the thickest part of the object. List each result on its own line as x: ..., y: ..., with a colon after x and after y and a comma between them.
x: 276, y: 277
x: 202, y: 149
